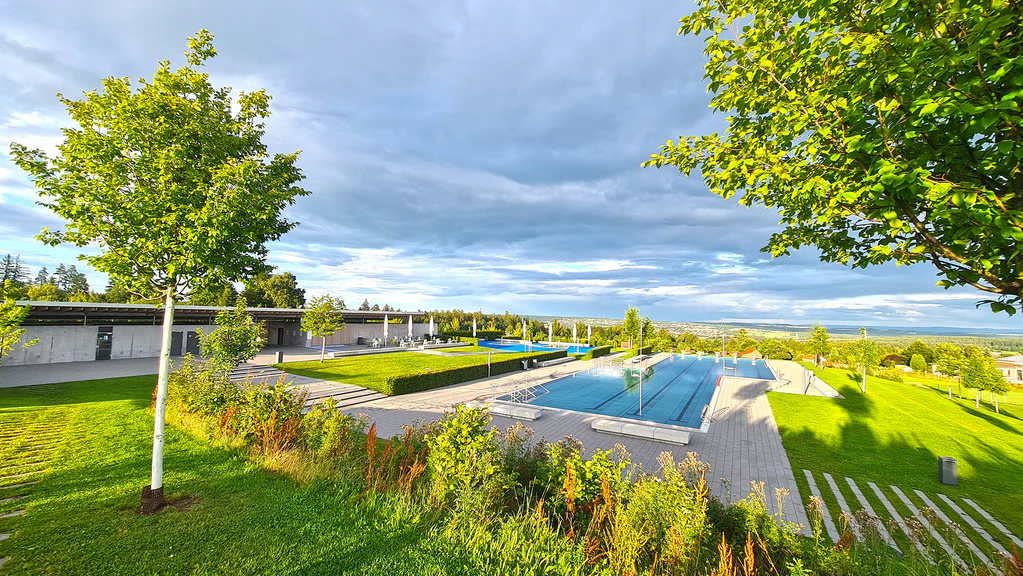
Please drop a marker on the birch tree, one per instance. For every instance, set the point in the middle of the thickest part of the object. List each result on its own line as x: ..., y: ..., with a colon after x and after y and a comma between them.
x: 171, y: 181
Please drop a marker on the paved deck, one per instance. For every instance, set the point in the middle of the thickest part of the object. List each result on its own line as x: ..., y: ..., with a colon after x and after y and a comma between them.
x: 743, y: 444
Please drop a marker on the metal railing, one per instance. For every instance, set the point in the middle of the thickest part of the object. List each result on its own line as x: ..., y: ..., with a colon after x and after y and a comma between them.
x: 523, y: 390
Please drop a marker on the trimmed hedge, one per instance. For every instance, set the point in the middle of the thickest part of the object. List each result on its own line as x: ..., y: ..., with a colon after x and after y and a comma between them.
x: 599, y: 351
x: 468, y: 340
x: 480, y: 334
x: 420, y: 381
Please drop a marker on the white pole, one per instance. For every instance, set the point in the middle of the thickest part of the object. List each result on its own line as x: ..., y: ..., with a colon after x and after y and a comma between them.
x: 641, y: 370
x: 155, y: 495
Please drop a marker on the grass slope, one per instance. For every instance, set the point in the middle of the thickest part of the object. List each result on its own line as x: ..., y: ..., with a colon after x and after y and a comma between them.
x: 371, y: 371
x: 95, y: 439
x: 894, y: 435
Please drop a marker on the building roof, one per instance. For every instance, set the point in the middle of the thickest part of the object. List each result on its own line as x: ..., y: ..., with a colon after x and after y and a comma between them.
x: 1017, y: 360
x: 83, y: 311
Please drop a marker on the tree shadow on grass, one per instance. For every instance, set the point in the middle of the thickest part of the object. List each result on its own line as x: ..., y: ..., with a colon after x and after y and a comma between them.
x: 138, y: 389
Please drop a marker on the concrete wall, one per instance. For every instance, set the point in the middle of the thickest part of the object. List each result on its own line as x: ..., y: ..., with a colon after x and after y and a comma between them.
x: 351, y: 333
x: 78, y: 343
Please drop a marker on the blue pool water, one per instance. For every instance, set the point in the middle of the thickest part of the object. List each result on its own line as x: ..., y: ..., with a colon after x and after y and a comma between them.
x: 523, y: 348
x: 674, y: 391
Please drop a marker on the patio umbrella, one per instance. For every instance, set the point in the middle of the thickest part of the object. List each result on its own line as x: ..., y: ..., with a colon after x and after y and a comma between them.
x: 409, y: 325
x: 575, y: 339
x: 524, y: 335
x: 589, y: 333
x: 385, y: 328
x: 550, y: 331
x: 431, y: 325
x: 473, y: 327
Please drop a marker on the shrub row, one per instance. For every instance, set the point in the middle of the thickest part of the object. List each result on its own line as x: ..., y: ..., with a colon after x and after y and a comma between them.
x: 428, y: 380
x: 599, y: 351
x: 480, y: 334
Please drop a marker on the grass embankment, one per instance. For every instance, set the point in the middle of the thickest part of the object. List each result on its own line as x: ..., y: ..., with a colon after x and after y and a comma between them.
x: 372, y: 371
x: 894, y: 434
x: 96, y: 438
x: 942, y: 384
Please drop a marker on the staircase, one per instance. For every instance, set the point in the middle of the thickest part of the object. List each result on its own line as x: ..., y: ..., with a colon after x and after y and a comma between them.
x: 317, y: 391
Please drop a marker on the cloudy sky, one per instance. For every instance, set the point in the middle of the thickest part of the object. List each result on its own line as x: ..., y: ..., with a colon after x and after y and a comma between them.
x: 465, y: 154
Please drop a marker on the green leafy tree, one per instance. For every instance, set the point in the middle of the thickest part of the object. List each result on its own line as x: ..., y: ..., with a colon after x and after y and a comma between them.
x: 274, y: 291
x: 867, y: 354
x: 365, y: 305
x: 980, y: 371
x: 322, y: 318
x: 819, y: 343
x: 171, y: 180
x: 740, y: 342
x: 921, y: 348
x: 11, y: 317
x: 632, y: 325
x: 917, y: 363
x: 949, y: 358
x: 236, y: 339
x: 773, y: 349
x: 11, y: 291
x: 880, y: 131
x: 223, y: 295
x: 46, y: 293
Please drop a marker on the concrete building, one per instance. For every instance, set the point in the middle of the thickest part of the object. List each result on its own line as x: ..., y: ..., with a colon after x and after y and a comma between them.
x: 1012, y: 368
x: 87, y: 331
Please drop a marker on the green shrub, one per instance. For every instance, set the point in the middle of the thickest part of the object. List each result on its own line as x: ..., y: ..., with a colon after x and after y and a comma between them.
x: 468, y: 340
x: 270, y: 414
x: 893, y: 374
x: 196, y: 386
x: 330, y: 433
x: 465, y: 461
x: 917, y: 363
x: 599, y: 351
x: 428, y: 380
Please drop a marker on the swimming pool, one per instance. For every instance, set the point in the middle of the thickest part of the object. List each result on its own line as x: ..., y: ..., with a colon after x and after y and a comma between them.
x: 534, y: 348
x: 674, y: 390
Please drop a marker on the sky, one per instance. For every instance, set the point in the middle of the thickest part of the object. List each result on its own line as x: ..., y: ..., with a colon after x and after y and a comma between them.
x: 465, y: 154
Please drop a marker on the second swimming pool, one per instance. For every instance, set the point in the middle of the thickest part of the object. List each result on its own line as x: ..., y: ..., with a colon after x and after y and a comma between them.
x: 674, y: 390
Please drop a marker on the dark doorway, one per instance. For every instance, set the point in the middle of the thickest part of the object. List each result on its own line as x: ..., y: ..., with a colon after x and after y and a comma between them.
x: 104, y: 342
x: 280, y: 336
x: 175, y: 343
x: 191, y: 344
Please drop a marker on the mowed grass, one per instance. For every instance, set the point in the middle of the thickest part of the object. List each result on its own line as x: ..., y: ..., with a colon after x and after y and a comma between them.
x: 95, y: 440
x: 372, y: 370
x: 941, y: 384
x: 894, y: 434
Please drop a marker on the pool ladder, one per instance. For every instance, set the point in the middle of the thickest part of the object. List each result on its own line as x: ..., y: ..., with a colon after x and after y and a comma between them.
x: 522, y: 390
x: 614, y: 366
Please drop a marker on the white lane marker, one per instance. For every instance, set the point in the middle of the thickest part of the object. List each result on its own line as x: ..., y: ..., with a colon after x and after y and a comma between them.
x: 973, y: 524
x: 902, y: 524
x: 962, y: 536
x: 994, y: 522
x: 870, y: 510
x: 828, y: 523
x: 934, y: 533
x: 842, y: 504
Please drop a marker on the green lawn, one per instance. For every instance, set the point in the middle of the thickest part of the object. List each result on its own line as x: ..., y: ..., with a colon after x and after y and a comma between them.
x: 894, y: 435
x: 371, y: 371
x: 1014, y: 397
x: 96, y: 438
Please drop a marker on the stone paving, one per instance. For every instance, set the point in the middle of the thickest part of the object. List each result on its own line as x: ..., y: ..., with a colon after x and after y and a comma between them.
x: 968, y: 544
x: 742, y: 445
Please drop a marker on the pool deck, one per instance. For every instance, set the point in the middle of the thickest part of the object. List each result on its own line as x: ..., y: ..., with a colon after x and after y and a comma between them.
x: 742, y: 445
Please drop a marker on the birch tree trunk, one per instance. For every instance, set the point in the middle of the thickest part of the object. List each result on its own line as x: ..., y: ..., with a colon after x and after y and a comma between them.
x: 152, y: 496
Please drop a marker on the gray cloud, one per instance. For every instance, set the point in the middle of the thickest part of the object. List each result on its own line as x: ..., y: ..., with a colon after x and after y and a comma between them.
x: 464, y: 154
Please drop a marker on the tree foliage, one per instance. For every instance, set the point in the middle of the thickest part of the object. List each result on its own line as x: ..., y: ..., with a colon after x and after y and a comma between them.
x: 819, y: 342
x: 949, y: 358
x: 632, y: 325
x: 11, y: 332
x: 322, y: 318
x: 174, y: 184
x: 917, y: 363
x: 880, y: 130
x: 274, y: 291
x: 740, y: 342
x: 919, y: 347
x: 237, y: 337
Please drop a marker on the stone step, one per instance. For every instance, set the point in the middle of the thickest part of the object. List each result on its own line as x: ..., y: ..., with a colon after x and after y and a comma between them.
x: 4, y: 537
x: 21, y: 485
x: 339, y: 393
x: 347, y: 401
x: 12, y: 514
x: 12, y: 499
